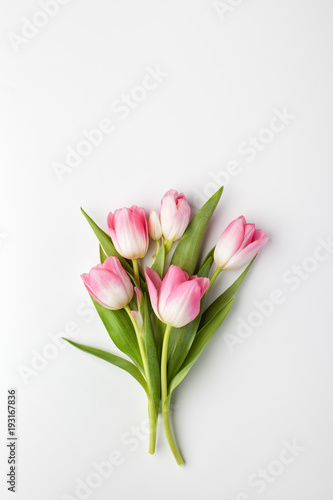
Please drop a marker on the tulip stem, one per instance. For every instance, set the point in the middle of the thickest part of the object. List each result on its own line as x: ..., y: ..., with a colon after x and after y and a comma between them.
x: 215, y: 275
x: 166, y: 399
x: 151, y: 409
x: 136, y: 272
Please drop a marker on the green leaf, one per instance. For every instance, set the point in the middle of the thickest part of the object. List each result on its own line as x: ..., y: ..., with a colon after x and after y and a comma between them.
x: 106, y: 243
x: 114, y: 360
x: 151, y: 354
x: 200, y: 343
x: 121, y: 331
x: 158, y: 264
x: 181, y: 339
x: 159, y: 329
x: 209, y: 255
x: 224, y: 298
x: 102, y: 255
x: 187, y: 251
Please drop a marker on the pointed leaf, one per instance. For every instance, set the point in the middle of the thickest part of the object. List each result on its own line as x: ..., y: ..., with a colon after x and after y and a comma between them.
x: 181, y: 339
x: 102, y: 255
x: 200, y: 342
x: 224, y: 298
x: 151, y: 354
x: 158, y: 264
x: 121, y: 331
x: 113, y: 359
x: 187, y: 251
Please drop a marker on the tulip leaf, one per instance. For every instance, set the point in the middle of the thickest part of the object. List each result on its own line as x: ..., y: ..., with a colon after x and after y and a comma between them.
x: 114, y: 360
x: 224, y: 298
x: 102, y: 255
x: 201, y: 341
x: 210, y: 254
x: 159, y: 261
x: 151, y: 354
x: 121, y: 331
x: 181, y: 339
x: 106, y: 243
x: 187, y: 251
x: 159, y: 329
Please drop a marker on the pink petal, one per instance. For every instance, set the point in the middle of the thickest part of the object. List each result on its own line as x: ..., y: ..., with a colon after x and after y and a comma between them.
x: 174, y: 277
x: 230, y: 241
x: 202, y: 282
x: 183, y: 305
x: 154, y: 285
x: 249, y: 231
x: 245, y: 255
x: 138, y: 294
x: 181, y: 219
x: 168, y: 212
x: 111, y: 227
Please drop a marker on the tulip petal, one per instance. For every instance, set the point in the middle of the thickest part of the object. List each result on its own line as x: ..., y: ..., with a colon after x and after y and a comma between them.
x: 183, y: 305
x: 181, y: 219
x: 129, y: 231
x: 245, y: 255
x: 108, y: 288
x: 168, y: 212
x: 174, y: 277
x: 202, y: 282
x: 154, y: 226
x: 154, y: 285
x: 230, y: 241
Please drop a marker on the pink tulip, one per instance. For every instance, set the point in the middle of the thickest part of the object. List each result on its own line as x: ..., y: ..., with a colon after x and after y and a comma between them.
x: 175, y: 215
x: 154, y: 226
x: 238, y: 244
x: 175, y: 299
x: 129, y: 231
x: 109, y: 284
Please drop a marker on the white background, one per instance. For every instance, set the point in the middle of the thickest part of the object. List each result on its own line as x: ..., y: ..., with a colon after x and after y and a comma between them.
x: 227, y: 74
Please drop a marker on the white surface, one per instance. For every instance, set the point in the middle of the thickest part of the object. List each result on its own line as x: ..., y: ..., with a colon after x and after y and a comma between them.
x: 225, y: 79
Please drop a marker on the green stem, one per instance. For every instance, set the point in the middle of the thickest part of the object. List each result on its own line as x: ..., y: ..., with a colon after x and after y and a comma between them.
x: 151, y: 409
x: 165, y: 399
x: 215, y: 275
x: 168, y: 246
x: 136, y: 271
x: 152, y: 426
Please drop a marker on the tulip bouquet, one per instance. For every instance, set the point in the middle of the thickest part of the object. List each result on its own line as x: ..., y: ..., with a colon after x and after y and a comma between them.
x: 157, y: 316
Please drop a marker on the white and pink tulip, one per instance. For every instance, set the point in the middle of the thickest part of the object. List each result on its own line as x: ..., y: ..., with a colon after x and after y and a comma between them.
x: 176, y: 298
x: 109, y: 284
x: 238, y: 244
x: 128, y: 229
x: 175, y: 215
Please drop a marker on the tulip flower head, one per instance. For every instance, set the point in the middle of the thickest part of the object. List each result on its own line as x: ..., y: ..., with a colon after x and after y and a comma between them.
x: 238, y: 244
x: 175, y: 215
x: 154, y: 226
x: 109, y: 284
x: 176, y: 298
x: 129, y: 231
